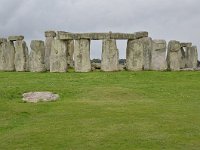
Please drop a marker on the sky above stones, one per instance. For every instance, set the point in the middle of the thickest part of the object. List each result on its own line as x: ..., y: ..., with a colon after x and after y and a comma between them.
x: 163, y: 19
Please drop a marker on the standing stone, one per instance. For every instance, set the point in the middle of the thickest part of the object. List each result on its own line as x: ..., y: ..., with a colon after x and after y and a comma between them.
x: 82, y: 55
x: 36, y: 59
x: 3, y: 42
x: 110, y: 56
x: 70, y: 53
x: 191, y: 57
x: 50, y: 35
x: 173, y: 55
x: 158, y: 55
x: 134, y: 55
x: 182, y: 58
x: 21, y: 56
x: 147, y: 47
x: 58, y: 57
x: 7, y: 55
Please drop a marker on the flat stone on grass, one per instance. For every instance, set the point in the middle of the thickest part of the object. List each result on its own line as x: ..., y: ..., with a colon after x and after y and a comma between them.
x: 35, y: 97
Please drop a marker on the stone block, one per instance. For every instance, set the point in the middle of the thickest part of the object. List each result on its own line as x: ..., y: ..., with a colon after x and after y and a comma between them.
x: 36, y: 58
x: 58, y: 57
x: 70, y: 53
x: 48, y: 44
x: 7, y: 56
x: 158, y: 55
x: 21, y: 56
x: 186, y: 44
x: 50, y: 34
x: 191, y: 57
x: 134, y: 55
x: 110, y: 56
x: 3, y: 40
x: 16, y: 38
x: 173, y: 60
x: 82, y: 55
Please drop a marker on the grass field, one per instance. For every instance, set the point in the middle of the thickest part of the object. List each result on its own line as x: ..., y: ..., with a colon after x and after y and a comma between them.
x: 101, y: 111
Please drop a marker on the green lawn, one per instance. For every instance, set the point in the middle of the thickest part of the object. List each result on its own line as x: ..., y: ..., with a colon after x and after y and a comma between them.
x: 101, y: 111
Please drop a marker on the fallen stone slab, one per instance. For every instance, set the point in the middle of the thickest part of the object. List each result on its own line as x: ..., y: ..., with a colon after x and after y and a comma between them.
x: 35, y: 97
x: 16, y: 38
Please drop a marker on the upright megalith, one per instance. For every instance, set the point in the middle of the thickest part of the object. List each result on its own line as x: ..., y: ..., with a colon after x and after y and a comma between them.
x: 158, y: 55
x: 191, y: 57
x: 147, y: 49
x: 36, y: 58
x: 173, y: 61
x: 7, y: 55
x: 58, y: 56
x: 110, y: 55
x: 70, y: 53
x: 50, y: 35
x: 135, y: 55
x: 182, y: 58
x: 82, y: 55
x: 21, y: 56
x: 2, y: 47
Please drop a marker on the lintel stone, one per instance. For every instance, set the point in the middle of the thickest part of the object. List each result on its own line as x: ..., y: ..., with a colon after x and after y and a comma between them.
x: 186, y: 44
x: 16, y: 38
x: 100, y: 36
x: 50, y: 34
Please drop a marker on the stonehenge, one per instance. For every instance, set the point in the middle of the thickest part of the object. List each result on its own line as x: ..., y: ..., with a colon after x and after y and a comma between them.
x: 62, y: 50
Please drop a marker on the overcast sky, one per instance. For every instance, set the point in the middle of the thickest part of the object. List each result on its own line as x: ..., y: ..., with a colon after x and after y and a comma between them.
x: 163, y: 19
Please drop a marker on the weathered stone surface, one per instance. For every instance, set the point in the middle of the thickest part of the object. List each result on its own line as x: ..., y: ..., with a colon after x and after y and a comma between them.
x: 96, y: 66
x: 134, y: 55
x: 70, y: 53
x: 182, y: 58
x: 50, y: 34
x: 129, y: 36
x: 16, y: 38
x: 100, y: 36
x: 191, y: 57
x: 3, y: 40
x: 48, y: 43
x: 173, y: 60
x: 21, y: 56
x: 158, y: 55
x: 7, y: 55
x: 147, y: 47
x: 36, y: 58
x: 110, y: 56
x: 186, y: 44
x: 58, y: 57
x: 92, y: 36
x: 82, y: 55
x: 35, y: 97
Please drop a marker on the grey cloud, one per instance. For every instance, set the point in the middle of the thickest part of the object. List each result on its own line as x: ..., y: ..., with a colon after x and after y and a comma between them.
x: 171, y: 19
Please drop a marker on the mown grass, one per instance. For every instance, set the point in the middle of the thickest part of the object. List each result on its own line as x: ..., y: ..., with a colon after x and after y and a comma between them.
x: 98, y: 110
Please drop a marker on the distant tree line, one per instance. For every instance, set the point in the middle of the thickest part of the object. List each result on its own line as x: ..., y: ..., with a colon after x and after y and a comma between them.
x: 121, y: 61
